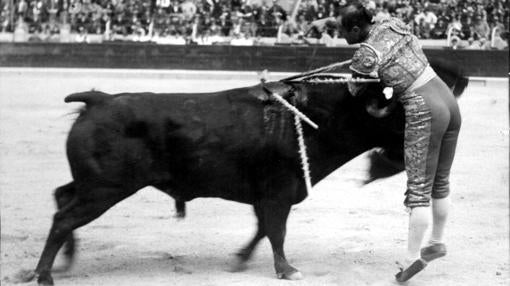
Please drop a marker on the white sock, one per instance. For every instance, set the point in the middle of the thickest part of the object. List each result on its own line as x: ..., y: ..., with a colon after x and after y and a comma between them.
x: 419, y: 220
x: 440, y: 210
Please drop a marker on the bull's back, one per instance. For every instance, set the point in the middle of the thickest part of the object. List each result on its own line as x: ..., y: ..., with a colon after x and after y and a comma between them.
x: 195, y: 144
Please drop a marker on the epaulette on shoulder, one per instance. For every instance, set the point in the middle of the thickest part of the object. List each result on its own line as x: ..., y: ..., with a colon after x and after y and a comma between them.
x: 398, y: 26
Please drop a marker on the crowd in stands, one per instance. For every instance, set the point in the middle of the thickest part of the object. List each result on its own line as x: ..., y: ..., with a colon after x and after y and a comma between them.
x: 466, y: 23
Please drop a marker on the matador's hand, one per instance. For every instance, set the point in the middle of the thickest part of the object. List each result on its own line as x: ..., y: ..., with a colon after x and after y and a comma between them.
x: 321, y: 24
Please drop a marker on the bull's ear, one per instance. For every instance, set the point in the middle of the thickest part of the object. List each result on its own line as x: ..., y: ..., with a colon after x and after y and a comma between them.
x: 263, y: 75
x: 298, y: 97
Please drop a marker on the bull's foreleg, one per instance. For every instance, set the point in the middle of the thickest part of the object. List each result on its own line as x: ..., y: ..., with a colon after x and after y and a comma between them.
x: 245, y: 254
x: 275, y: 221
x: 180, y: 208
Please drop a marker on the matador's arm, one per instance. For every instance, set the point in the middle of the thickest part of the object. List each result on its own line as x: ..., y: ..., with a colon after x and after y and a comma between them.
x: 365, y: 64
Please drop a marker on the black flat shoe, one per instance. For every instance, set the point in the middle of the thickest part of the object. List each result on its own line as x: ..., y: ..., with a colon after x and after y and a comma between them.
x: 433, y: 251
x: 409, y: 272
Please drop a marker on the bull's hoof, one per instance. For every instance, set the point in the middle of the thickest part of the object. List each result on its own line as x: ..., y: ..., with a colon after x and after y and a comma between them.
x: 45, y: 279
x: 238, y: 265
x: 293, y: 275
x: 23, y: 276
x: 45, y: 283
x: 180, y: 214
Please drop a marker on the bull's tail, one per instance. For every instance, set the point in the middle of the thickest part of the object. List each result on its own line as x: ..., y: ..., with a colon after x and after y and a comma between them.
x: 451, y: 74
x: 460, y: 86
x: 92, y: 97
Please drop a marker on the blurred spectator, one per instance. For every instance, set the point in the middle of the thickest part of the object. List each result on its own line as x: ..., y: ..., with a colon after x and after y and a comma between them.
x: 405, y: 11
x: 420, y: 15
x: 137, y: 29
x: 370, y: 6
x: 484, y: 44
x: 473, y: 44
x: 331, y: 11
x: 82, y: 21
x: 286, y: 32
x: 199, y: 21
x: 22, y: 9
x: 309, y: 10
x: 241, y: 40
x: 498, y: 40
x: 496, y: 23
x: 327, y: 40
x: 159, y: 19
x: 265, y: 23
x: 424, y: 22
x: 321, y: 12
x: 455, y: 43
x: 440, y: 30
x: 430, y: 18
x: 174, y: 8
x: 225, y: 22
x: 456, y: 24
x: 277, y: 12
x: 119, y: 24
x: 5, y: 11
x: 237, y: 25
x: 74, y: 7
x: 381, y: 13
x: 467, y: 27
x: 480, y: 28
x: 302, y: 26
x: 188, y: 9
x: 163, y: 4
x: 247, y: 12
x: 82, y: 36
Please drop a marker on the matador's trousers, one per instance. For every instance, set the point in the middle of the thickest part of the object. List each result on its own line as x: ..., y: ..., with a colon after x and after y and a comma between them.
x: 431, y: 130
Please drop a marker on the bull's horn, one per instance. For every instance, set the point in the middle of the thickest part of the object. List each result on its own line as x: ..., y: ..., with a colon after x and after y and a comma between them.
x: 373, y: 109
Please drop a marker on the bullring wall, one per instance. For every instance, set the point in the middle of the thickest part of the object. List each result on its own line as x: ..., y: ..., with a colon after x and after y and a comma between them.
x: 234, y: 58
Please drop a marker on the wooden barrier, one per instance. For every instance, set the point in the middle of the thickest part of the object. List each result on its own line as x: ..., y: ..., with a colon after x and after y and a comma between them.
x: 236, y: 58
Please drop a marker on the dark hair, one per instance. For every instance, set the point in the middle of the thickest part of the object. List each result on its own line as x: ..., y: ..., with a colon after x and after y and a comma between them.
x: 355, y: 14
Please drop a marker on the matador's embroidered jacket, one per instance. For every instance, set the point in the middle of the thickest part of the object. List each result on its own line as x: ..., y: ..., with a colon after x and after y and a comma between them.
x: 392, y: 53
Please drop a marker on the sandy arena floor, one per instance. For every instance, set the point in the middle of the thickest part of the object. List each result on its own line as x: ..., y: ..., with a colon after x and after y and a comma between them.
x: 341, y: 235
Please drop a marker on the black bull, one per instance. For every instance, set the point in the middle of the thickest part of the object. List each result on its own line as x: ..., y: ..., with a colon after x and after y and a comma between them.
x: 237, y: 145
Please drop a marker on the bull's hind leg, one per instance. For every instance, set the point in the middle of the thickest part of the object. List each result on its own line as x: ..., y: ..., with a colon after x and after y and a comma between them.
x: 78, y: 212
x: 63, y: 197
x: 275, y: 221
